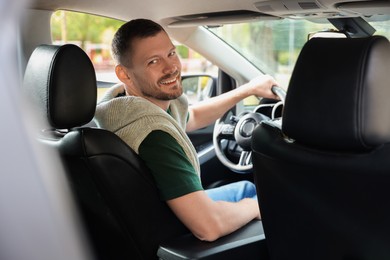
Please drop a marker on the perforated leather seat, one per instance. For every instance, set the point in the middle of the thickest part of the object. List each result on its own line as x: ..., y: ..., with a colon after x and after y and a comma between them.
x: 115, y: 192
x: 324, y: 180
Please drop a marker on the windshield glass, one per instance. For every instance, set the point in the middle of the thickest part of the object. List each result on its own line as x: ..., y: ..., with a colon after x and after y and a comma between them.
x: 273, y: 46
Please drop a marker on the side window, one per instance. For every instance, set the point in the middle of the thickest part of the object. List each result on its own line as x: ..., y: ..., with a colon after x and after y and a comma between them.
x: 94, y: 35
x: 198, y: 74
x: 91, y: 33
x: 198, y: 87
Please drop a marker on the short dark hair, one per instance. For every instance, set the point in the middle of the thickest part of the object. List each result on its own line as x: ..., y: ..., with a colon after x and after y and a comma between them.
x: 124, y: 37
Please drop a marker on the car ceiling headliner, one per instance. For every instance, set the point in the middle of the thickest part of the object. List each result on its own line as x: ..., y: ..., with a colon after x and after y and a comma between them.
x: 165, y: 11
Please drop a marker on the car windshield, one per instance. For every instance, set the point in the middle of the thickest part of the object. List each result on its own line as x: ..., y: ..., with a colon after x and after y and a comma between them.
x: 273, y: 45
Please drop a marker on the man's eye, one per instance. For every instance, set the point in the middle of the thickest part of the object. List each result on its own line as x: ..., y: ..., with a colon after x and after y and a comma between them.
x: 152, y: 62
x: 173, y: 53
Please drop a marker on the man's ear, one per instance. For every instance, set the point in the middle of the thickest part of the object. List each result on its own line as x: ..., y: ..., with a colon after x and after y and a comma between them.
x: 122, y: 74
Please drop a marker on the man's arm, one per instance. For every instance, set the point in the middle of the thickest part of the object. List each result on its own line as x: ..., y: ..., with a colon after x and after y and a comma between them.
x: 209, y: 220
x: 180, y: 186
x: 204, y: 113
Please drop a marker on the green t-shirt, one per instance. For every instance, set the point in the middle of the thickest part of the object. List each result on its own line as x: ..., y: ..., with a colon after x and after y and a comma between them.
x: 173, y: 172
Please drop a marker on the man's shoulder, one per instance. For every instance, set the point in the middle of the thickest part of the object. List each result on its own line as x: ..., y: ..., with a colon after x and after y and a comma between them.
x: 111, y: 93
x: 159, y: 137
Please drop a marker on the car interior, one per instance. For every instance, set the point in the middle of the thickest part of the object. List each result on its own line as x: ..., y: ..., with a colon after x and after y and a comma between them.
x: 317, y: 154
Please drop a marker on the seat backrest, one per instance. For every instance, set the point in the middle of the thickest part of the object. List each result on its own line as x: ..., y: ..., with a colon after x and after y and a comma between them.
x: 323, y: 179
x: 115, y: 192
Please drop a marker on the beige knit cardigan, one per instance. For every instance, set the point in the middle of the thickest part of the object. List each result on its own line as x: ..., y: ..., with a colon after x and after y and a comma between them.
x: 133, y: 118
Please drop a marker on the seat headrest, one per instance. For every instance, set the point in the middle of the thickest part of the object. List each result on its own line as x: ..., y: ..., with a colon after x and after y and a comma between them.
x: 338, y: 94
x: 61, y: 82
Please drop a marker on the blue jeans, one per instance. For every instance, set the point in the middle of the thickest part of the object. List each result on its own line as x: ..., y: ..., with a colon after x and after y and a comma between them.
x: 233, y: 192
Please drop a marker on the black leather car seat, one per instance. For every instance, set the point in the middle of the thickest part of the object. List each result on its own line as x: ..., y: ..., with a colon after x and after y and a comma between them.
x: 323, y: 180
x: 119, y: 203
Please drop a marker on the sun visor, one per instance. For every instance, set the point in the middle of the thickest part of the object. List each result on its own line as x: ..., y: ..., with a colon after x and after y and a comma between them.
x: 218, y: 19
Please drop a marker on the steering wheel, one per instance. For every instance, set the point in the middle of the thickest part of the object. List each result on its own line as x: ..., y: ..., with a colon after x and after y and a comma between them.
x: 239, y: 129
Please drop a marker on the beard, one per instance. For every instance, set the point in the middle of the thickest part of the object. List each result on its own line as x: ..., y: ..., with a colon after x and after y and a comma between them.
x: 158, y: 92
x: 175, y: 92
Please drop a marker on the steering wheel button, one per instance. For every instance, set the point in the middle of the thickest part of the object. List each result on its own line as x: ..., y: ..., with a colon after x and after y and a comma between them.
x: 228, y: 130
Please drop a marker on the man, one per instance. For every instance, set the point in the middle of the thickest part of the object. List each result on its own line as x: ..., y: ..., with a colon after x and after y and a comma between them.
x: 148, y: 111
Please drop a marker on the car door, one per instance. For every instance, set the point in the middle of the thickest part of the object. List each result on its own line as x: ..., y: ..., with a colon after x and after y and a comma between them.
x: 199, y: 87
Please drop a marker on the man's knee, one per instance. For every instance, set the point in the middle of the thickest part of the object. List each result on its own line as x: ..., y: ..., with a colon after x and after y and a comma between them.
x: 246, y: 189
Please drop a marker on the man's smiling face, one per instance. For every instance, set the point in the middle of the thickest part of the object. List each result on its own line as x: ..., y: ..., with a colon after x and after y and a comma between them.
x: 155, y: 67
